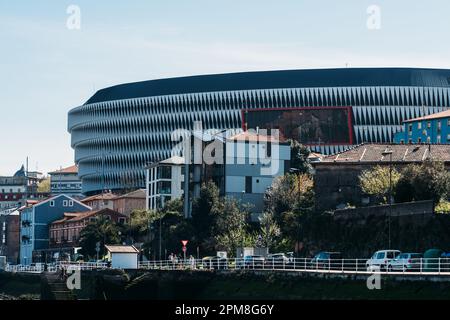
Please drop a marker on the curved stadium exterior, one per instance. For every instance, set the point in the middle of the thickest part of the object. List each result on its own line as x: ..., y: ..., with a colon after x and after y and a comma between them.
x: 122, y: 128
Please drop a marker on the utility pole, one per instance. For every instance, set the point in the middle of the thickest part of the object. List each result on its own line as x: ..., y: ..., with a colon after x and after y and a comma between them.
x: 160, y: 231
x: 385, y: 153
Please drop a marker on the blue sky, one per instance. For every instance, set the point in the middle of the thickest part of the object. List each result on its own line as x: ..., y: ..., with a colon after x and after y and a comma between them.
x: 47, y: 69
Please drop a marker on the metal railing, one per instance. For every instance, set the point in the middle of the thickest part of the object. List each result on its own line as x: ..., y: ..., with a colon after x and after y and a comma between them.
x: 439, y: 266
x: 429, y: 266
x: 55, y: 267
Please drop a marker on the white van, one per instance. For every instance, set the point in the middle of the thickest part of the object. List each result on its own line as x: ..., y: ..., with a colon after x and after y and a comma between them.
x: 381, y: 259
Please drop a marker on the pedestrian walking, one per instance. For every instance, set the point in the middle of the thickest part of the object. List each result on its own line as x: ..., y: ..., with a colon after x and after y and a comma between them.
x: 192, y: 262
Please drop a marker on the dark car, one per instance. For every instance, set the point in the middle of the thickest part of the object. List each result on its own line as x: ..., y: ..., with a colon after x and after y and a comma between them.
x: 253, y: 262
x: 326, y: 260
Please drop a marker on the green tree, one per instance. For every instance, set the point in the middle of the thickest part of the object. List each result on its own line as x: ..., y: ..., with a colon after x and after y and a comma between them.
x: 231, y: 225
x: 428, y: 181
x: 269, y: 230
x: 290, y: 193
x: 103, y: 231
x: 289, y: 199
x: 44, y: 186
x: 378, y: 181
x: 204, y: 216
x: 138, y: 226
x: 299, y: 157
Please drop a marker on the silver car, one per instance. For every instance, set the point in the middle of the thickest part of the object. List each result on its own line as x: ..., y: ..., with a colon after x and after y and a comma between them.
x: 406, y: 262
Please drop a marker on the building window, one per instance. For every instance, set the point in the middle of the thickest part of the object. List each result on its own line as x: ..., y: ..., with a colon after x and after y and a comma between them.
x: 439, y: 126
x: 438, y: 139
x: 122, y: 220
x: 410, y: 129
x: 448, y: 137
x: 52, y: 203
x: 419, y: 140
x: 429, y: 125
x: 70, y: 203
x: 65, y: 203
x: 248, y: 184
x: 419, y: 125
x: 428, y: 139
x: 448, y: 122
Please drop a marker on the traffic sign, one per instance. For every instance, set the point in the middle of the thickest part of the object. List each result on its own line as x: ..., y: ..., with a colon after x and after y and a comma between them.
x: 184, y: 242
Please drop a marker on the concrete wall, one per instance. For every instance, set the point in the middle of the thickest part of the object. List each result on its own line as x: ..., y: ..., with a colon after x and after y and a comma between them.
x: 397, y: 210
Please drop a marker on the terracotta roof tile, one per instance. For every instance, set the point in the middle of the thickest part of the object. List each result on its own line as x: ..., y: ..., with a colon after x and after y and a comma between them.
x: 400, y: 153
x: 68, y: 170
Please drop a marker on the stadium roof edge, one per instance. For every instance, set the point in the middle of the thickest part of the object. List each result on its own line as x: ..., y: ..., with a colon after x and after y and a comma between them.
x: 307, y: 78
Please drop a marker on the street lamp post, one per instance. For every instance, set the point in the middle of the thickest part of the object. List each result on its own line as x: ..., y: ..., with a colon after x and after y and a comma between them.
x: 385, y: 153
x: 160, y: 229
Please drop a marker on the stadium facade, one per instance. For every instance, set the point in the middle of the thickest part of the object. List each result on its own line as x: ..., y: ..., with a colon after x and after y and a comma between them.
x: 122, y: 128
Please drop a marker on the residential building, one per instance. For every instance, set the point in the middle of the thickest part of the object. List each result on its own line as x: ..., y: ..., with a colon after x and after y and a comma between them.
x: 246, y: 166
x: 127, y: 203
x: 65, y: 232
x: 252, y: 162
x: 34, y: 225
x: 10, y: 235
x: 17, y: 189
x: 430, y: 129
x: 66, y: 181
x: 100, y: 201
x: 164, y: 182
x: 336, y: 179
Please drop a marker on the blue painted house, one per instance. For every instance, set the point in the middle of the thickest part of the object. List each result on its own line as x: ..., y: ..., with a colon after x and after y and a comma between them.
x: 434, y: 129
x: 35, y: 221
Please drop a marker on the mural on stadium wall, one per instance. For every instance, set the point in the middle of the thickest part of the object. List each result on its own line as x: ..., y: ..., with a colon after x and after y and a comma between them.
x: 309, y: 126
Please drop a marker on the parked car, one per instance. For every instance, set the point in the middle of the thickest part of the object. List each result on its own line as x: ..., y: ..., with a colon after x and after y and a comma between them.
x: 432, y: 260
x: 406, y: 262
x: 380, y: 259
x: 253, y: 261
x: 326, y: 260
x: 277, y: 260
x: 214, y: 262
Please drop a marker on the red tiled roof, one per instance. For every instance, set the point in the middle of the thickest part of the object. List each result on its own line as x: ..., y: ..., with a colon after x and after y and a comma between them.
x: 68, y: 170
x: 254, y: 137
x: 137, y: 194
x: 106, y: 196
x: 77, y: 216
x: 400, y: 153
x: 439, y: 115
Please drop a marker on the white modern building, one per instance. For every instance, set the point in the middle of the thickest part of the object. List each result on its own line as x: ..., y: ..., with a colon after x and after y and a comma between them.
x: 164, y: 182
